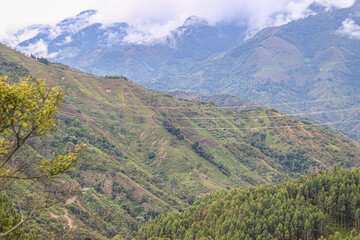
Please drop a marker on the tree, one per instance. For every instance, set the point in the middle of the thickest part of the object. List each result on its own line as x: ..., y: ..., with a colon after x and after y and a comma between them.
x: 8, y: 216
x: 357, y: 218
x: 27, y: 110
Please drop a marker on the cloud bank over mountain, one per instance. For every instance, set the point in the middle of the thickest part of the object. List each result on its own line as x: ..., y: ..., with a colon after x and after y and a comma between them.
x: 155, y: 19
x: 150, y: 20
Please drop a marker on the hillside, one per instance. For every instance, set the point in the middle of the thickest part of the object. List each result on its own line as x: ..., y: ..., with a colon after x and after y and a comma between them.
x: 221, y: 100
x: 149, y: 153
x: 314, y: 206
x: 309, y: 65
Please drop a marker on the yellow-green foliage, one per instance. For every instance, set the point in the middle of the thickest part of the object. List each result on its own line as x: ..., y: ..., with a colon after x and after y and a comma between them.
x: 27, y: 111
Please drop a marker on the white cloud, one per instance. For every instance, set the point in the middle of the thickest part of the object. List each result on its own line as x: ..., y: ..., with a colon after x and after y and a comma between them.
x: 336, y: 3
x: 350, y: 29
x: 39, y: 49
x: 17, y: 14
x: 24, y: 35
x: 79, y: 22
x: 147, y: 33
x: 152, y: 19
x: 67, y: 39
x: 156, y: 18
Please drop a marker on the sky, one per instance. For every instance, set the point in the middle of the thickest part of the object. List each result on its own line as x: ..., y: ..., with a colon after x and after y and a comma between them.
x: 158, y: 17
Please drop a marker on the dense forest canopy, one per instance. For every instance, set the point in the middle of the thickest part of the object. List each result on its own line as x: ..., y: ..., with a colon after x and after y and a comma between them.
x: 314, y: 206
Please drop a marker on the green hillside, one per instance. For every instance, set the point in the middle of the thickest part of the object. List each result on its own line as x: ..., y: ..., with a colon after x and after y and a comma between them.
x: 149, y: 153
x: 306, y: 66
x: 315, y: 206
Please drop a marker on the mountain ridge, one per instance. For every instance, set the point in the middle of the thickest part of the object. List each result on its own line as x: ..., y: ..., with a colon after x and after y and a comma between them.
x: 306, y: 63
x: 90, y: 46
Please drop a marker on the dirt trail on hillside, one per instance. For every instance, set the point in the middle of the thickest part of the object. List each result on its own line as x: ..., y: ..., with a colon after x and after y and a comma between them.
x: 70, y: 200
x: 66, y: 216
x: 69, y: 220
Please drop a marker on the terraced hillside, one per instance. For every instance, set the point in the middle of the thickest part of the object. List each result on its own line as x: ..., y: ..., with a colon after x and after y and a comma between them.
x: 149, y: 153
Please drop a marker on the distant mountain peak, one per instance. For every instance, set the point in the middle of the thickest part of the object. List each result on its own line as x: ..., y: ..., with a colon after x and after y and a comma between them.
x: 76, y: 23
x: 195, y: 20
x: 87, y: 12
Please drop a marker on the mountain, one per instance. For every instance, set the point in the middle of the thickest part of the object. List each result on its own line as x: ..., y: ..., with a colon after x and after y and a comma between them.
x: 111, y: 50
x: 314, y: 206
x: 149, y: 153
x: 308, y: 66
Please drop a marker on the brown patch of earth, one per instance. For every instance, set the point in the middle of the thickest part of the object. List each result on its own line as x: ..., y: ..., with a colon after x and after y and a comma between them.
x: 162, y: 147
x: 154, y: 142
x: 66, y: 216
x: 107, y: 188
x: 53, y: 215
x: 88, y: 176
x: 122, y: 136
x: 69, y: 220
x: 210, y: 143
x: 254, y: 129
x: 141, y: 135
x: 70, y: 200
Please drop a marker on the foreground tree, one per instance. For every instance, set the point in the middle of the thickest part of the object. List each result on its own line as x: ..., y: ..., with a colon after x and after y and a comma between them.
x: 27, y: 110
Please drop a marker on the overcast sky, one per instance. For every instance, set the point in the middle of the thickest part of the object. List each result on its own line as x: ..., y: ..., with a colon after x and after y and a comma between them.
x: 158, y: 16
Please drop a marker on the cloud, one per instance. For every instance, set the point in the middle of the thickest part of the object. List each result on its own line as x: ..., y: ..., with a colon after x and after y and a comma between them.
x: 154, y: 19
x: 18, y: 14
x: 157, y: 18
x: 21, y: 36
x: 39, y: 49
x: 335, y: 3
x: 350, y: 29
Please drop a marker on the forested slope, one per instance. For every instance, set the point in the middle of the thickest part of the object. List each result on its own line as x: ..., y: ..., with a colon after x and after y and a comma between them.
x: 316, y: 205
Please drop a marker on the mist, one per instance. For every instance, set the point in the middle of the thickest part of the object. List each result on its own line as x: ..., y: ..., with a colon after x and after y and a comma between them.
x: 155, y: 19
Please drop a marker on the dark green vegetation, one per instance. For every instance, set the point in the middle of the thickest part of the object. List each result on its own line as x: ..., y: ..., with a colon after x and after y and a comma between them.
x: 149, y: 153
x: 8, y: 218
x: 304, y: 66
x: 314, y: 206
